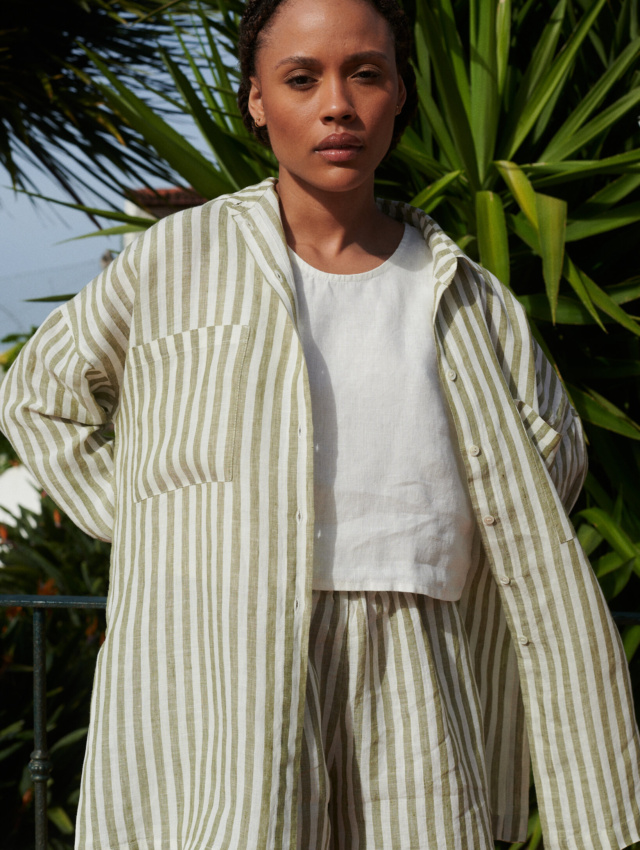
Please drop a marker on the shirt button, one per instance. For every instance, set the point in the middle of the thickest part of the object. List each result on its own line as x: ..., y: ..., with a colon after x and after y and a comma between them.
x: 296, y: 604
x: 505, y: 580
x: 523, y: 639
x: 299, y: 515
x: 474, y: 451
x: 299, y: 430
x: 278, y: 275
x: 489, y: 520
x: 452, y: 375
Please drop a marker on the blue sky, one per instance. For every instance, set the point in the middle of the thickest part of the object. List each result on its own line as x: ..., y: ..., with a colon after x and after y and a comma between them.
x: 36, y: 258
x: 33, y: 263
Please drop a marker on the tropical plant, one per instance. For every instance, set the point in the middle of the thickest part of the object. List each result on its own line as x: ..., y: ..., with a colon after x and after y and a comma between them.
x: 51, y: 113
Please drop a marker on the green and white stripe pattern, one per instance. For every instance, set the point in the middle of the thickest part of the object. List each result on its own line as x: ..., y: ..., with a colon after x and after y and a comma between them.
x: 393, y: 754
x: 188, y: 344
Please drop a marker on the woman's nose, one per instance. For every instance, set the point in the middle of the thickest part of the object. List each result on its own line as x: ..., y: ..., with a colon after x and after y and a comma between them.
x: 337, y: 105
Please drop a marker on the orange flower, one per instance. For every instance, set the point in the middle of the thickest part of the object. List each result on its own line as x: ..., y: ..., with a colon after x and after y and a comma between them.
x: 4, y: 534
x: 48, y: 588
x: 57, y: 520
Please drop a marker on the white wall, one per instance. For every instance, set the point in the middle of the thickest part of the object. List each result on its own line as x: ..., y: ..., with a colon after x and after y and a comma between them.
x: 17, y: 487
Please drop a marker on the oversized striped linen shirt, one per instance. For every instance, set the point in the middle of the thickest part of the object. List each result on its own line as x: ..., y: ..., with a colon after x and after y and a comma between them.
x: 188, y: 344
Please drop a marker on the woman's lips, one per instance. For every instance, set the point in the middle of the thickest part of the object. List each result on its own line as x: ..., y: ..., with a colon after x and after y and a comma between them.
x: 339, y: 154
x: 339, y: 147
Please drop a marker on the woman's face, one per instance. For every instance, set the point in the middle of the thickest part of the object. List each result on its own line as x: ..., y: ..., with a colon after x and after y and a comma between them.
x: 328, y: 91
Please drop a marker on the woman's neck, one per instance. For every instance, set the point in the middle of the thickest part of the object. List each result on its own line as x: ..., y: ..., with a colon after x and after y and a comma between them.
x: 336, y: 232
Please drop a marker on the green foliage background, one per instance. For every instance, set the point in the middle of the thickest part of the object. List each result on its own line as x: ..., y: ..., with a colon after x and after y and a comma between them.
x: 526, y: 149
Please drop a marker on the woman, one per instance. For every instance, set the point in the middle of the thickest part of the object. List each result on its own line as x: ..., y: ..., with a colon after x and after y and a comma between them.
x: 345, y: 596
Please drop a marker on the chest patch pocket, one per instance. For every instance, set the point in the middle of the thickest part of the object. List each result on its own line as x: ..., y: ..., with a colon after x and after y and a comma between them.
x: 185, y: 404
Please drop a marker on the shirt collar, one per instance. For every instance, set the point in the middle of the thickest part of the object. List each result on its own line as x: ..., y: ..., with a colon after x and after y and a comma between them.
x: 256, y: 210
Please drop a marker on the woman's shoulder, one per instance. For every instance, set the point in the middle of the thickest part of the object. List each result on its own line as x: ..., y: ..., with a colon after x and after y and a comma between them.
x: 449, y: 256
x: 188, y: 219
x: 452, y: 264
x: 438, y: 240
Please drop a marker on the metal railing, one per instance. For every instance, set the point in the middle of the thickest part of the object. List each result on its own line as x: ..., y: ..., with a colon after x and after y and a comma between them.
x: 40, y: 766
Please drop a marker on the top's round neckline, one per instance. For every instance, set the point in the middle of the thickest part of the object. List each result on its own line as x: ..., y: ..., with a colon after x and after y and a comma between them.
x: 308, y: 269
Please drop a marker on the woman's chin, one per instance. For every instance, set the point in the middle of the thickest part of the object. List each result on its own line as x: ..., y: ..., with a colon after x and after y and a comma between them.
x: 333, y: 177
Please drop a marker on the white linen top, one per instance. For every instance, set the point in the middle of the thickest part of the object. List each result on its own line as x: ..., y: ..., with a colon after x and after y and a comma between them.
x: 392, y: 510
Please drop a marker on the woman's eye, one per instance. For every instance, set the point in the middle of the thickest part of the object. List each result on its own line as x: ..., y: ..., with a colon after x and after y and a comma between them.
x: 299, y: 81
x: 367, y: 74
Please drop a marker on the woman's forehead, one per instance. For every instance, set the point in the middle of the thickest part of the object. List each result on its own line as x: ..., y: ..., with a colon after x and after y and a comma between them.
x: 350, y: 25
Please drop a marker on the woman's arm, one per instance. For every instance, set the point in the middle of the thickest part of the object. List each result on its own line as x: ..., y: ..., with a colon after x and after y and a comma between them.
x: 549, y: 419
x: 59, y: 397
x: 568, y: 468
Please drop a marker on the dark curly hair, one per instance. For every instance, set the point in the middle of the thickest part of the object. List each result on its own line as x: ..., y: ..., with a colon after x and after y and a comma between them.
x: 255, y: 20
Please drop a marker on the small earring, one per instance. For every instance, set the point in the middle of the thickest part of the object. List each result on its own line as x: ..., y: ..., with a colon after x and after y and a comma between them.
x: 258, y: 122
x: 398, y: 110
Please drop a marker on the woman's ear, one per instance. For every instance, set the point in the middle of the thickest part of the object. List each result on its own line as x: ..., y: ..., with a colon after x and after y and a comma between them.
x: 256, y: 109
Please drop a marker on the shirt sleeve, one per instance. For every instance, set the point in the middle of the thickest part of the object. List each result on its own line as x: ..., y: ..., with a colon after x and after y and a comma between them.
x: 60, y: 396
x: 547, y: 413
x: 568, y: 469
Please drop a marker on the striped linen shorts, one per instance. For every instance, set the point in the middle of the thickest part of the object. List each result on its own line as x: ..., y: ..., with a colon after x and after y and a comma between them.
x: 392, y: 754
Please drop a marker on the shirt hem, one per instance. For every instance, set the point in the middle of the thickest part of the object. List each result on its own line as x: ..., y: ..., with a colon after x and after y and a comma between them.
x: 443, y: 595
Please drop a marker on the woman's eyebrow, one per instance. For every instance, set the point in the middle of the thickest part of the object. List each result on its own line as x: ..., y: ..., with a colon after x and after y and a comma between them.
x: 297, y: 60
x: 361, y: 56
